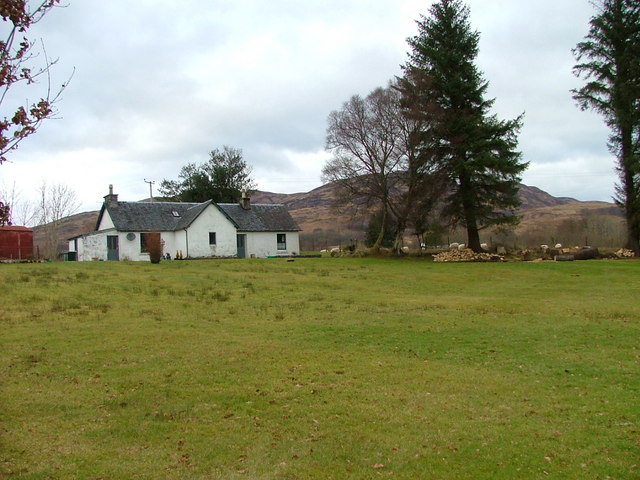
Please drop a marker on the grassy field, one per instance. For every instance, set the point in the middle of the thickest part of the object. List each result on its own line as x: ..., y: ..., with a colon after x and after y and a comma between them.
x: 320, y: 369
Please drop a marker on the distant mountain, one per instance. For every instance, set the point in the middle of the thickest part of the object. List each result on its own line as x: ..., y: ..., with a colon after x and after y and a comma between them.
x: 533, y: 197
x: 543, y: 218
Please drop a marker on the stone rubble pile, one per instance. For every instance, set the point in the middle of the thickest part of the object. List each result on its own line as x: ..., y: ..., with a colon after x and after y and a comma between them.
x: 466, y: 255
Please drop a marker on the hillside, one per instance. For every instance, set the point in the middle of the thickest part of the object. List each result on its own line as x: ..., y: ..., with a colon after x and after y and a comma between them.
x: 533, y: 197
x: 545, y: 218
x: 69, y: 227
x: 323, y: 226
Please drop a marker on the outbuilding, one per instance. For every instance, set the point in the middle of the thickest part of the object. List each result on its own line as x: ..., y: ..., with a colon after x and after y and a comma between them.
x: 16, y: 243
x: 188, y: 230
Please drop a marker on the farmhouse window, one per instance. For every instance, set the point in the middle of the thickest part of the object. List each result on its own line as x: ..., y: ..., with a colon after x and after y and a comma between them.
x: 282, y: 241
x: 212, y: 238
x: 145, y: 238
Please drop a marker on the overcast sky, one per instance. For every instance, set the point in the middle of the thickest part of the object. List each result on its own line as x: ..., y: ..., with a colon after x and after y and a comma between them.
x: 160, y: 83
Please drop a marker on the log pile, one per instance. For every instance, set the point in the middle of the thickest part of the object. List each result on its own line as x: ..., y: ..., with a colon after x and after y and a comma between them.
x: 466, y: 255
x: 625, y: 253
x: 557, y: 254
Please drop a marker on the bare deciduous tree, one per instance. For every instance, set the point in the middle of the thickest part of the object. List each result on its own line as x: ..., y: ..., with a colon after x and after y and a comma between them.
x: 382, y: 160
x: 21, y: 212
x: 55, y: 203
x: 364, y: 137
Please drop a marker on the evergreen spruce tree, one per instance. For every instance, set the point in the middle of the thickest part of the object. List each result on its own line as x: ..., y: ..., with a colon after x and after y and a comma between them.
x: 610, y: 62
x: 474, y: 150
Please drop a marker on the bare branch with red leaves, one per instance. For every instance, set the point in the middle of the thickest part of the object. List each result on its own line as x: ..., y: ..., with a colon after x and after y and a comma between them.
x: 17, y: 56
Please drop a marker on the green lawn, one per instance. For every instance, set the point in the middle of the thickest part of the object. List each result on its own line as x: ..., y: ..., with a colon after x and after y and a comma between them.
x: 320, y: 369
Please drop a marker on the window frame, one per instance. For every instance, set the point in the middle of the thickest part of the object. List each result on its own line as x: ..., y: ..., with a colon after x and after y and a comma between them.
x: 281, y: 241
x: 143, y: 242
x: 215, y: 240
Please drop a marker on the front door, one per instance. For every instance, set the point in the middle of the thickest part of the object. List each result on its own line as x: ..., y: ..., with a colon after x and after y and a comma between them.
x: 113, y: 253
x: 241, y: 243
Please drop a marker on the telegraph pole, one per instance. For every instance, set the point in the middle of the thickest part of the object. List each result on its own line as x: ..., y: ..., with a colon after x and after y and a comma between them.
x: 150, y: 182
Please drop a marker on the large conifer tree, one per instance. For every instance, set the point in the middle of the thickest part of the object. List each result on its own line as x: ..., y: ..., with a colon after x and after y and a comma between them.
x: 610, y: 61
x: 476, y: 151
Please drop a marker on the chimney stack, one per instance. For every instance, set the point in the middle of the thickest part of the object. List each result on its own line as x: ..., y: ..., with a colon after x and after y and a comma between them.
x: 245, y: 201
x: 111, y: 198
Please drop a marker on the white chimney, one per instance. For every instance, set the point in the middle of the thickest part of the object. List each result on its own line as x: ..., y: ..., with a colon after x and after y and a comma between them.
x: 245, y: 201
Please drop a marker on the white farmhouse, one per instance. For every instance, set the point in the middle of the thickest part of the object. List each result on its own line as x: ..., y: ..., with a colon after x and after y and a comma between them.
x: 194, y: 230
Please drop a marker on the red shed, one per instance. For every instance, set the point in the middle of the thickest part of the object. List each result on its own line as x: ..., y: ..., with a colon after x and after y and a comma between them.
x: 16, y: 242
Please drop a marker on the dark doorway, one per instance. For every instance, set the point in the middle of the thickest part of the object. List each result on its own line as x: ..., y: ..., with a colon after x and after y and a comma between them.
x: 113, y: 252
x: 241, y: 243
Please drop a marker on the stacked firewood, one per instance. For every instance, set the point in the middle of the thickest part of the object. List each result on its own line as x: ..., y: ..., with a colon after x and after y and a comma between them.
x: 624, y: 253
x: 466, y: 255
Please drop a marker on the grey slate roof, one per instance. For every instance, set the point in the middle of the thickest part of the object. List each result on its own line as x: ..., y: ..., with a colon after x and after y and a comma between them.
x: 150, y: 216
x: 260, y: 218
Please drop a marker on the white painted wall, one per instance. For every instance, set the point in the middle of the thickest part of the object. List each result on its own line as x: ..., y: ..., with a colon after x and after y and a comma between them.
x: 174, y: 242
x: 129, y: 249
x: 105, y: 222
x: 92, y: 246
x: 265, y: 244
x: 192, y: 243
x: 211, y: 220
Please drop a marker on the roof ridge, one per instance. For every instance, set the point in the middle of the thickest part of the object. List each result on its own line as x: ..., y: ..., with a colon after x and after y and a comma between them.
x: 200, y: 204
x: 256, y: 204
x: 164, y: 203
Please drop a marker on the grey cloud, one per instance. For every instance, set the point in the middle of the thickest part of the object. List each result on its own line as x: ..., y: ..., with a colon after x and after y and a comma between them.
x: 160, y: 83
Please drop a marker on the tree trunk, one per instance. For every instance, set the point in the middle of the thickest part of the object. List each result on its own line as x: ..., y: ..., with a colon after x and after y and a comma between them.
x: 633, y: 235
x: 631, y: 205
x: 473, y: 238
x: 586, y: 254
x: 468, y: 205
x: 398, y: 242
x: 630, y: 188
x: 383, y: 225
